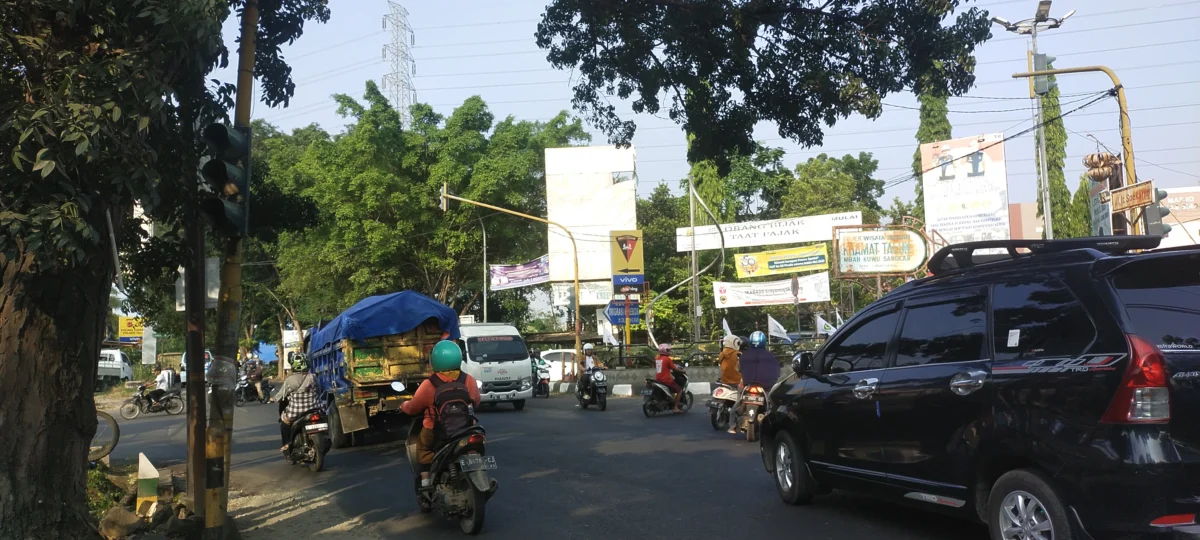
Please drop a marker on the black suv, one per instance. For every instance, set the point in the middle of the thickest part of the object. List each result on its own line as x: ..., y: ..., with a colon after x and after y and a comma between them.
x: 1048, y: 388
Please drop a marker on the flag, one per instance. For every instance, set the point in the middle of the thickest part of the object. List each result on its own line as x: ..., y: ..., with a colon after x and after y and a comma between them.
x: 776, y: 329
x: 725, y: 325
x: 839, y: 318
x: 823, y: 326
x: 607, y: 331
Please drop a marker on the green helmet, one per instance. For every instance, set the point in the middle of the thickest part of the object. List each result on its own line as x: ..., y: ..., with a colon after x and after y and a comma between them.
x: 446, y: 356
x: 300, y: 363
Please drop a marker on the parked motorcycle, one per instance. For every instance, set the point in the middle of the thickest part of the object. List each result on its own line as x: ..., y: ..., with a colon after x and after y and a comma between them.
x: 749, y: 417
x: 310, y: 439
x: 656, y: 397
x: 596, y: 392
x: 244, y: 391
x: 461, y: 486
x: 720, y: 407
x: 541, y: 386
x: 169, y: 403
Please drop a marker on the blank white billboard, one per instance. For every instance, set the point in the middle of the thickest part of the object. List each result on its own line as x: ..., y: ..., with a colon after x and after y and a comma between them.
x: 592, y: 191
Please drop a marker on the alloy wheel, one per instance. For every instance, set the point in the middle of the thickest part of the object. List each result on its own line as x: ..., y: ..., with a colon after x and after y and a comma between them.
x: 1023, y: 517
x: 783, y: 466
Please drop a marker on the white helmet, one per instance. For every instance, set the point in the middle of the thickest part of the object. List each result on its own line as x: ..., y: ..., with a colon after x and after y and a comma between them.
x: 588, y: 347
x: 732, y: 342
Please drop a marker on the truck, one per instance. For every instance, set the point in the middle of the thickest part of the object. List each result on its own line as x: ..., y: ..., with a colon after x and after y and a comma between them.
x: 356, y: 357
x: 113, y: 368
x: 496, y: 355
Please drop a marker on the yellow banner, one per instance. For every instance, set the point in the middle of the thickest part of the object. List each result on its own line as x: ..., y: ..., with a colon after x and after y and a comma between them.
x: 782, y: 261
x: 130, y: 327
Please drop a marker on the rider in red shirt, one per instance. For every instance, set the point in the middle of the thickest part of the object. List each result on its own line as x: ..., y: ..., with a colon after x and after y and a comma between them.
x: 663, y: 368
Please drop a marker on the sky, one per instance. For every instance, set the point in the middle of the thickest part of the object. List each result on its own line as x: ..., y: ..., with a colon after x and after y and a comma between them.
x: 475, y: 47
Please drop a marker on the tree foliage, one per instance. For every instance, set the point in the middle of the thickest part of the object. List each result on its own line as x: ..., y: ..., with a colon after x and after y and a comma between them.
x: 379, y: 228
x: 1080, y: 222
x: 721, y: 67
x: 1056, y: 154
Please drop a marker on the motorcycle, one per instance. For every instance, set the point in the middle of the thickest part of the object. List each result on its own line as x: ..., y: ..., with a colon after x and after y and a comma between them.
x: 169, y: 403
x: 541, y: 387
x: 310, y: 439
x: 461, y: 486
x: 244, y: 391
x: 656, y: 397
x: 753, y: 400
x: 596, y: 392
x: 724, y: 398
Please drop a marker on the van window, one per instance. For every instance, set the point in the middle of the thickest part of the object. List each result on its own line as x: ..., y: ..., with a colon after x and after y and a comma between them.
x: 496, y: 348
x: 863, y: 347
x: 942, y: 332
x: 1162, y: 298
x: 1038, y: 317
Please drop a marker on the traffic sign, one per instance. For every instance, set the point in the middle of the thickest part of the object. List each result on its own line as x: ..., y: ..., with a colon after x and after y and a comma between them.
x: 627, y: 252
x: 629, y: 284
x: 615, y: 312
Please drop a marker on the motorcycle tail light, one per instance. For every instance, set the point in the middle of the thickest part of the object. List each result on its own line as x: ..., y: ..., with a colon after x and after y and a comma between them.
x: 315, y: 418
x: 755, y: 390
x: 475, y: 439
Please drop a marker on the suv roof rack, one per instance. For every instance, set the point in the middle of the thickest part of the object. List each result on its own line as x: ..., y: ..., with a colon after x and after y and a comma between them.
x: 962, y: 256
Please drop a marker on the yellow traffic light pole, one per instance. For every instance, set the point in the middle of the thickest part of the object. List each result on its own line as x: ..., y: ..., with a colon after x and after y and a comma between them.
x: 1126, y: 136
x: 574, y: 249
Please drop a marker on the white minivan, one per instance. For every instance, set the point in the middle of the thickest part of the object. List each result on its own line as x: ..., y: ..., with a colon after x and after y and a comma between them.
x: 496, y: 355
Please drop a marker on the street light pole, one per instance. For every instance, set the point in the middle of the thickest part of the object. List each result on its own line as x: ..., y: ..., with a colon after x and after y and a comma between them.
x: 486, y: 274
x: 1041, y: 19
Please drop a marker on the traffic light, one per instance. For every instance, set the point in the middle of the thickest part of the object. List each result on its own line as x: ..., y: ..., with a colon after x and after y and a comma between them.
x: 1042, y: 83
x: 227, y: 175
x: 1155, y: 214
x: 443, y: 197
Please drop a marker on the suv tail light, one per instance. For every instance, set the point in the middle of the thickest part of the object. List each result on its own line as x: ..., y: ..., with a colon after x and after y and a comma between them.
x: 1143, y: 396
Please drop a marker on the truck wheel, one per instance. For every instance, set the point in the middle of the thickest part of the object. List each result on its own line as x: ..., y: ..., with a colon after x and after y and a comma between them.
x: 519, y: 404
x: 336, y: 435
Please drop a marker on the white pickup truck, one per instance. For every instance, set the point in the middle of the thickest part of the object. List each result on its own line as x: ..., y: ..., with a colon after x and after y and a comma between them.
x: 113, y: 368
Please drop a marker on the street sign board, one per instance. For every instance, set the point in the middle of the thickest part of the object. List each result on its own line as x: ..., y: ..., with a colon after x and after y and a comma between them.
x: 1133, y: 196
x: 630, y: 283
x: 616, y: 313
x: 627, y: 253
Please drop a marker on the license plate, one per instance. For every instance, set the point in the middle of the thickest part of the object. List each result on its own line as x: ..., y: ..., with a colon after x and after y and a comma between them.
x: 477, y: 462
x: 316, y: 427
x: 755, y: 400
x: 647, y: 392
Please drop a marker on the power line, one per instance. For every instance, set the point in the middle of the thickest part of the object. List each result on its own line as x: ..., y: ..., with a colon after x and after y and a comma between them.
x: 1139, y: 158
x: 992, y: 110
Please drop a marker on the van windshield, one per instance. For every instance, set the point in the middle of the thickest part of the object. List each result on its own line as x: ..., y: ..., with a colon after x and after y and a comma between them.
x: 1163, y: 300
x: 496, y: 348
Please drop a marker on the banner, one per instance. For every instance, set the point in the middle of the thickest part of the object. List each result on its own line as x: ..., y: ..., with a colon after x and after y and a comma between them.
x: 1184, y: 219
x: 776, y: 329
x: 511, y: 276
x: 291, y: 338
x: 966, y: 189
x: 765, y: 233
x: 782, y: 261
x: 149, y: 346
x: 591, y: 293
x: 883, y: 251
x: 823, y: 326
x: 1099, y: 200
x: 725, y: 326
x: 129, y: 330
x: 812, y: 288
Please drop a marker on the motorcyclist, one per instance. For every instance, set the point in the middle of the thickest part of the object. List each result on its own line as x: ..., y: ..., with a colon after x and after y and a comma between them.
x: 297, y: 395
x: 587, y: 363
x: 442, y: 387
x: 254, y: 373
x: 730, y: 348
x: 664, y: 369
x: 162, y: 383
x: 759, y: 366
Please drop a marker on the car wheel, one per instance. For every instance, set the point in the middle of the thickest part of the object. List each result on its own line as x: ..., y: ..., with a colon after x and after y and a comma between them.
x: 336, y: 435
x: 791, y: 475
x: 1023, y: 506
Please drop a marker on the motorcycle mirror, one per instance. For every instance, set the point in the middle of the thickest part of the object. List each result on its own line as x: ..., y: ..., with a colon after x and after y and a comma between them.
x: 479, y: 384
x: 397, y: 386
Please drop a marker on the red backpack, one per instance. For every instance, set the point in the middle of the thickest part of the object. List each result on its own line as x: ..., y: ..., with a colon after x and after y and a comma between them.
x: 451, y: 406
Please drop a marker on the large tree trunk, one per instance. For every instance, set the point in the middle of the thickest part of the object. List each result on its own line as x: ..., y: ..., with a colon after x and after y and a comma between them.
x: 51, y: 324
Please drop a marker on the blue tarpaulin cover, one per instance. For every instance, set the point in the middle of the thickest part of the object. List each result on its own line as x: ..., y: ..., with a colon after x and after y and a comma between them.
x: 385, y: 315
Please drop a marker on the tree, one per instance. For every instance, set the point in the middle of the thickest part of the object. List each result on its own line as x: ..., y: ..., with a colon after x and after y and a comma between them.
x: 1080, y: 223
x: 99, y: 101
x: 826, y: 185
x: 726, y: 66
x: 379, y: 228
x: 935, y: 126
x: 1056, y: 155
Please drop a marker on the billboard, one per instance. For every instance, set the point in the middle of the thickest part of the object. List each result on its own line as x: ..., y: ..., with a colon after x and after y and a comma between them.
x: 884, y: 251
x: 1184, y: 219
x: 966, y: 189
x: 1100, y: 202
x: 812, y: 288
x: 782, y: 261
x: 765, y: 233
x: 592, y: 191
x: 591, y: 293
x: 512, y: 276
x: 129, y: 329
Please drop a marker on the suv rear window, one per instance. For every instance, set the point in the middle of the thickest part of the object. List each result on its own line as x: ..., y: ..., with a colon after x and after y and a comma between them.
x: 1162, y: 298
x: 1038, y: 318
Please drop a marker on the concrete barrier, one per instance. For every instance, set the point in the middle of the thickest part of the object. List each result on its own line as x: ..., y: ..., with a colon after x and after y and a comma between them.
x: 622, y: 390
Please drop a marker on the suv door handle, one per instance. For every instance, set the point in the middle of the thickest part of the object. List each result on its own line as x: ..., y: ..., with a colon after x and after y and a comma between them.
x: 865, y: 388
x: 968, y: 381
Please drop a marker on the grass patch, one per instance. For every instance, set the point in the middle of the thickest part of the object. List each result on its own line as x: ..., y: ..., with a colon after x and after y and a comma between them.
x: 107, y: 485
x: 116, y: 393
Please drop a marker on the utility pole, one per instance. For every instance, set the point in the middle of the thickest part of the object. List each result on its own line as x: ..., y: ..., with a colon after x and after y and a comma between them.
x: 486, y: 274
x: 695, y: 264
x: 1041, y: 19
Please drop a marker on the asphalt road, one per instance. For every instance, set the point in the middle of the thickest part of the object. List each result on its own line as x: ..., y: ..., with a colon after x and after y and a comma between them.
x: 563, y: 473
